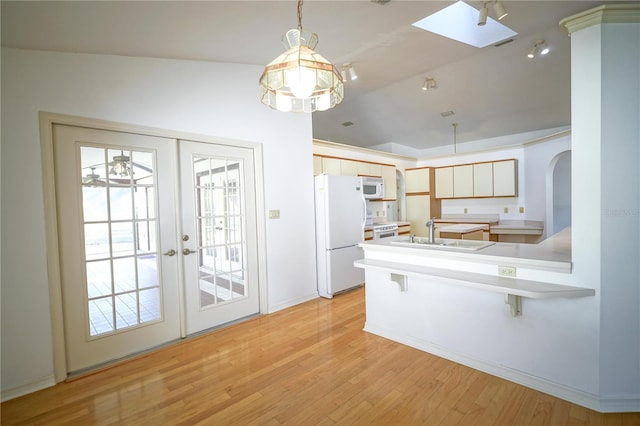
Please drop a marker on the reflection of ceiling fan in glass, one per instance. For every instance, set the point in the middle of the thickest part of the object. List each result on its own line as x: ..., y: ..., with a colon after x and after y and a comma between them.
x: 120, y: 166
x: 92, y: 178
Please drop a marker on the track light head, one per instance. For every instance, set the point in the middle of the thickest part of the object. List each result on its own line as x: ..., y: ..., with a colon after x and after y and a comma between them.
x: 429, y: 83
x: 539, y: 48
x: 499, y: 9
x: 482, y: 17
x: 348, y: 72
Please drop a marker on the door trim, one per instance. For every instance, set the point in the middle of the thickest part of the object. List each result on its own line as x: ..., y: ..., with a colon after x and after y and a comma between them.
x: 47, y: 120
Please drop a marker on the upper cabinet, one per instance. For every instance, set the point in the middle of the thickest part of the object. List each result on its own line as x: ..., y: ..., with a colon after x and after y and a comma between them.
x: 505, y: 178
x: 483, y: 180
x: 444, y: 182
x: 463, y: 181
x: 389, y: 175
x: 478, y: 180
x: 417, y: 180
x: 348, y: 167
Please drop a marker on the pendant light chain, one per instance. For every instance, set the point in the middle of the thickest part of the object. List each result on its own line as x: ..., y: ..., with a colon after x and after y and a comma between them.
x: 299, y: 15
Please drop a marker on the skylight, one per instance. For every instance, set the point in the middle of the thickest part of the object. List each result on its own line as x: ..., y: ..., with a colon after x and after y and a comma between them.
x: 460, y: 22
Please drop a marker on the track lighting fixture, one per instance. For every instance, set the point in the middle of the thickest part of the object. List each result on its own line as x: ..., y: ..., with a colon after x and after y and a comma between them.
x: 484, y: 12
x: 539, y: 48
x: 429, y: 83
x: 498, y: 8
x: 349, y: 72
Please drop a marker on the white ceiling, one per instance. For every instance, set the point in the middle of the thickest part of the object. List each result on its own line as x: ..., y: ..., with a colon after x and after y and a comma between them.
x: 494, y: 91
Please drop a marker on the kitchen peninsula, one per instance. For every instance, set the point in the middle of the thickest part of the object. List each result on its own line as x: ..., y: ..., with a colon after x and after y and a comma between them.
x: 450, y: 301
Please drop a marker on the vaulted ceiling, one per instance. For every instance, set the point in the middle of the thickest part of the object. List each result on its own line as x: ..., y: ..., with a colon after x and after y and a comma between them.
x: 493, y: 91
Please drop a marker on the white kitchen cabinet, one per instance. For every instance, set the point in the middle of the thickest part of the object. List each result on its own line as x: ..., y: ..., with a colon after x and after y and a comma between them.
x: 378, y: 170
x: 483, y: 179
x: 317, y: 165
x: 421, y: 208
x: 331, y: 166
x: 444, y: 182
x: 349, y: 167
x: 389, y: 176
x: 417, y: 180
x: 418, y: 213
x: 505, y: 178
x: 463, y: 181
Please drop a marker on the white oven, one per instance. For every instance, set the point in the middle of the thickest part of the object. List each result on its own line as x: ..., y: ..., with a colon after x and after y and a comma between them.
x: 385, y: 231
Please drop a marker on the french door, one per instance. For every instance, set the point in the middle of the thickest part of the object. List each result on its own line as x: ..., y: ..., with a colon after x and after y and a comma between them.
x: 156, y: 236
x: 219, y: 239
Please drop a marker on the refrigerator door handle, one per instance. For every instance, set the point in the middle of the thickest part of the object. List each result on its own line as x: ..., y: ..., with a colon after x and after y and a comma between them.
x: 364, y: 214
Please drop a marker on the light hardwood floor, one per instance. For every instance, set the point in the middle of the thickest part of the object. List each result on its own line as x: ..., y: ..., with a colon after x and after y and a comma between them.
x: 310, y: 364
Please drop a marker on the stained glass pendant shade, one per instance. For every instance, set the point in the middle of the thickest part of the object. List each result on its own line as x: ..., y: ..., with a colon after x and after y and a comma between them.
x: 300, y: 79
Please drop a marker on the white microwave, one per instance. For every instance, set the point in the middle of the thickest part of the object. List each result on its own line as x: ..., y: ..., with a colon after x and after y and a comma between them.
x: 372, y: 188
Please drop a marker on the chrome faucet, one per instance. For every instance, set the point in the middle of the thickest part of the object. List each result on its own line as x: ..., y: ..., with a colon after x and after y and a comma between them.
x: 431, y: 225
x: 412, y: 238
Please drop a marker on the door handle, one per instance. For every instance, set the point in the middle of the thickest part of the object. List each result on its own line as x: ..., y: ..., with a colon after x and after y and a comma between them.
x: 187, y: 251
x: 171, y: 252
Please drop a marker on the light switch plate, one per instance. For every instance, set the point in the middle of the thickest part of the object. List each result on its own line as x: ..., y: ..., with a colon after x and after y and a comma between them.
x: 274, y: 214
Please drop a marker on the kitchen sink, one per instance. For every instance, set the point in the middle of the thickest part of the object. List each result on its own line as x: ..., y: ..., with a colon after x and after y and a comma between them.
x: 443, y: 243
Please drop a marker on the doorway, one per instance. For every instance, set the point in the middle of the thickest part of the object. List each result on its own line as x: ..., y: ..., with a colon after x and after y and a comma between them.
x: 559, y: 193
x: 153, y: 246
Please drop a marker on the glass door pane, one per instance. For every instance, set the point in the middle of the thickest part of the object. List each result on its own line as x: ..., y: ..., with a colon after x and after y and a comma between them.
x: 120, y: 227
x: 220, y: 229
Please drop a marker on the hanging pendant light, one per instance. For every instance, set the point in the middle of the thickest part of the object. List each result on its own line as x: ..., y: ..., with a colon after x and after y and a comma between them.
x: 120, y: 165
x: 301, y: 80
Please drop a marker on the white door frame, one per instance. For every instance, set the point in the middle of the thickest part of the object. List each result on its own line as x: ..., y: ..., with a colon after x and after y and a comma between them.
x: 47, y: 121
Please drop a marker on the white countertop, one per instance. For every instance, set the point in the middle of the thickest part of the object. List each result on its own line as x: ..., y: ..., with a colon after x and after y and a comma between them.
x: 552, y: 254
x: 462, y: 228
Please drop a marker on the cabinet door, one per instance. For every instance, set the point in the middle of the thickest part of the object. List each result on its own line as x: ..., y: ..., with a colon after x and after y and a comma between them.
x: 317, y: 165
x: 389, y: 177
x: 463, y: 181
x: 349, y: 167
x: 417, y: 180
x: 331, y: 166
x: 483, y: 180
x: 504, y: 178
x: 444, y: 182
x: 418, y: 213
x: 376, y: 169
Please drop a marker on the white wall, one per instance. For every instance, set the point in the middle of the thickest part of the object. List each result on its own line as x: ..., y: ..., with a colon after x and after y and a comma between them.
x: 196, y: 97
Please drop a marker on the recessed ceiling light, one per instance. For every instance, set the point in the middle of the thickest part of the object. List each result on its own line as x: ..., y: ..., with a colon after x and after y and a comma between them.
x: 446, y: 113
x: 347, y: 123
x: 459, y: 22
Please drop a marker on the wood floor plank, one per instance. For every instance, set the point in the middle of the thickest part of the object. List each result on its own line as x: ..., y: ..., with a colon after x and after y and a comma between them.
x: 308, y: 365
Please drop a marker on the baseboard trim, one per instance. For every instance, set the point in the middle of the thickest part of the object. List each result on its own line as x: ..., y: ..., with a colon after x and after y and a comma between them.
x: 618, y: 404
x: 292, y: 302
x: 17, y: 391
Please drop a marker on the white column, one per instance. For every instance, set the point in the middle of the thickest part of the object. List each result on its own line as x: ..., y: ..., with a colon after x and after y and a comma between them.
x: 605, y: 76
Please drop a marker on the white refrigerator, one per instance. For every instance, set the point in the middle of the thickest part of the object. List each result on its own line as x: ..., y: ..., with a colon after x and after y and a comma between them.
x: 340, y: 218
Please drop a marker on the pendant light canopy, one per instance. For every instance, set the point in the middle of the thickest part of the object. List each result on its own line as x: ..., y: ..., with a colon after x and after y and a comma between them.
x: 301, y: 80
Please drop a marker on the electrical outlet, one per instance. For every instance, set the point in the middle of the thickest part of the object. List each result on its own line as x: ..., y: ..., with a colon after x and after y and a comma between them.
x: 507, y: 271
x: 521, y: 209
x: 506, y: 209
x: 465, y: 210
